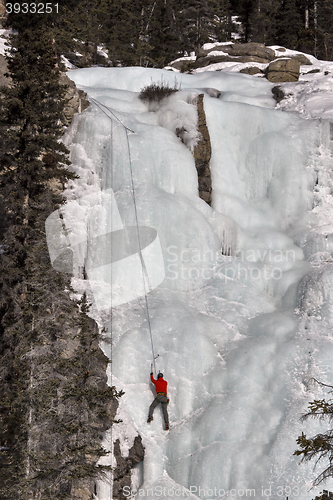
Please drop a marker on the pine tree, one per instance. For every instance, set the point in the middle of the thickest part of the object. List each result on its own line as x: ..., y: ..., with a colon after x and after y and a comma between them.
x: 320, y: 446
x: 164, y: 33
x: 221, y: 20
x: 198, y: 19
x: 262, y: 21
x: 123, y: 32
x: 324, y: 30
x: 78, y: 28
x: 245, y: 10
x: 54, y: 399
x: 288, y: 24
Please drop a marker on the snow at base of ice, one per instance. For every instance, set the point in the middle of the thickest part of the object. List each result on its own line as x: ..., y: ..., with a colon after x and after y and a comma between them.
x: 241, y: 322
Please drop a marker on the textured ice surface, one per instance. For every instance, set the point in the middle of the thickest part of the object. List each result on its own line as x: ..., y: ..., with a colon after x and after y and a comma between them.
x: 238, y: 334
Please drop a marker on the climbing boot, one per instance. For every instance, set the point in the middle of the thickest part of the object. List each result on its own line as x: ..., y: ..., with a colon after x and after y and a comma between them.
x: 149, y: 419
x: 166, y: 427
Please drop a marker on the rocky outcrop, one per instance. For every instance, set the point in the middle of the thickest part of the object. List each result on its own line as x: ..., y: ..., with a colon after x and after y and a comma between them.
x: 82, y: 492
x: 301, y: 58
x: 258, y: 50
x: 283, y: 70
x: 4, y: 81
x: 76, y: 99
x: 2, y: 13
x: 202, y: 153
x: 246, y: 52
x: 206, y: 61
x: 122, y: 473
x: 278, y: 93
x: 212, y: 92
x: 250, y: 53
x: 252, y: 70
x: 252, y: 49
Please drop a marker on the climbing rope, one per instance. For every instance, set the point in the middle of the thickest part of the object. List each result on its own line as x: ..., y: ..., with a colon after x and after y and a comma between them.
x: 145, y: 276
x: 100, y: 105
x: 143, y: 264
x: 111, y: 331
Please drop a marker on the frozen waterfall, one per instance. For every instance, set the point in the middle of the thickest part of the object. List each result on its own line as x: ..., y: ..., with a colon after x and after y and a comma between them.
x: 239, y: 333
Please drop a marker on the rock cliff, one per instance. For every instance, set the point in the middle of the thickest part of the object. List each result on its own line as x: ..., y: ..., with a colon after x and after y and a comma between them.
x: 273, y: 64
x: 202, y: 154
x: 2, y: 12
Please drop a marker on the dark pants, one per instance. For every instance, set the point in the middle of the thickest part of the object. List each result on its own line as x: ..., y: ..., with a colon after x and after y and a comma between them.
x: 164, y: 402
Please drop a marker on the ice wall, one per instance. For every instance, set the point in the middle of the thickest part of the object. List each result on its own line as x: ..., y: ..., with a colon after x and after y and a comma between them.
x: 232, y: 332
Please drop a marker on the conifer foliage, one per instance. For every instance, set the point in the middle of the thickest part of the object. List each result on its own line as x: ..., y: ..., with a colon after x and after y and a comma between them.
x: 54, y: 400
x: 320, y: 446
x: 154, y: 32
x: 288, y: 24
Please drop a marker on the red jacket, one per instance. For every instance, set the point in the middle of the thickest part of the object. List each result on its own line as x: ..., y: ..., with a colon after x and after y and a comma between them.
x: 160, y: 384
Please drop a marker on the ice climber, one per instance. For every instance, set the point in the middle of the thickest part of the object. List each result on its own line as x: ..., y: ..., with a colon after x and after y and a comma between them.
x: 161, y: 397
